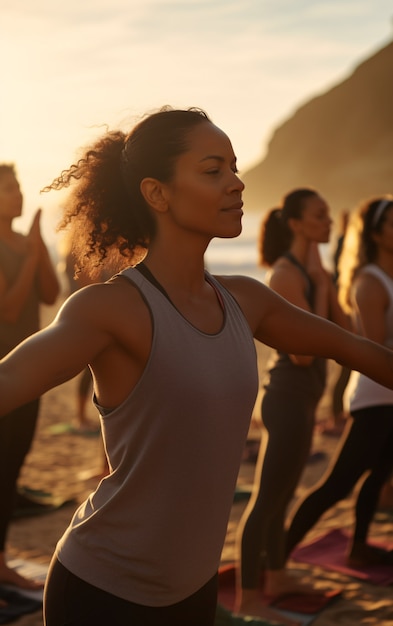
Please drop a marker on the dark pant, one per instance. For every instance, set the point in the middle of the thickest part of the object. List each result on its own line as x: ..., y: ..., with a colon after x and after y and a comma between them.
x: 70, y: 601
x: 16, y: 435
x: 289, y: 421
x: 365, y: 451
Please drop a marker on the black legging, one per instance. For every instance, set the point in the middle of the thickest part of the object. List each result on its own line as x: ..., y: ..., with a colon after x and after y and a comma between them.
x: 366, y: 446
x: 70, y: 601
x: 289, y: 419
x: 16, y: 435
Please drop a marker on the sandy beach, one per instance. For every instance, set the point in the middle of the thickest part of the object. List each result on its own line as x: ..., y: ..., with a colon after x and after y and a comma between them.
x: 60, y: 463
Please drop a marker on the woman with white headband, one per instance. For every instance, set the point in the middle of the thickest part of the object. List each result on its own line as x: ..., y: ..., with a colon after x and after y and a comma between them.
x: 365, y: 451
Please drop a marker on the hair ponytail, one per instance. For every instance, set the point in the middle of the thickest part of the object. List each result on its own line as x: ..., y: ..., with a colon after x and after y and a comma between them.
x: 275, y: 235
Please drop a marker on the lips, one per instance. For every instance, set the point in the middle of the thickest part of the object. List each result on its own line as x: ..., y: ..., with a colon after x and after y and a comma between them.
x: 237, y: 206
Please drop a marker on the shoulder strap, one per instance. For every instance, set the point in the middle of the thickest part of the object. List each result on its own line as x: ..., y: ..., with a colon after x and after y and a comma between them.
x: 144, y: 270
x: 310, y: 285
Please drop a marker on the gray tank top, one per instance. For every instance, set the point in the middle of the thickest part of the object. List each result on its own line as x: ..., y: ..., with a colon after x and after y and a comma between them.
x: 153, y: 531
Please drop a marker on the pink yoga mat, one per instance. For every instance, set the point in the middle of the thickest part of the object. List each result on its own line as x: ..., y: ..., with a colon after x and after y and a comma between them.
x: 304, y: 605
x: 329, y: 551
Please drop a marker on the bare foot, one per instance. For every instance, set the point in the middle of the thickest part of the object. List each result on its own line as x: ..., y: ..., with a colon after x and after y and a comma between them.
x: 250, y: 604
x: 10, y: 576
x: 281, y: 583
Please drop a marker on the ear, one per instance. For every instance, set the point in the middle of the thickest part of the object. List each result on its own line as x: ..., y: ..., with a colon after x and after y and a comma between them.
x: 153, y: 192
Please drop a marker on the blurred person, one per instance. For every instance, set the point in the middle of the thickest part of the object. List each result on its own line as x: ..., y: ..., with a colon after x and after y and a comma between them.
x: 365, y: 451
x: 27, y: 278
x: 288, y: 245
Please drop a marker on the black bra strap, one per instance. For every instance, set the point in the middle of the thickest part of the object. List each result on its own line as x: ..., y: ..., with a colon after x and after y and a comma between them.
x: 310, y: 285
x: 144, y: 270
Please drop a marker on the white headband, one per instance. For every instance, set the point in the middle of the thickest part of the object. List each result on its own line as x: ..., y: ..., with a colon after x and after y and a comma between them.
x: 379, y: 211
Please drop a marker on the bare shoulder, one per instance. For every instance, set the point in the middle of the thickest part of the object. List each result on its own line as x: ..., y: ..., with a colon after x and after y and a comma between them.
x: 107, y: 305
x: 254, y: 297
x: 241, y: 285
x: 368, y: 289
x: 283, y: 274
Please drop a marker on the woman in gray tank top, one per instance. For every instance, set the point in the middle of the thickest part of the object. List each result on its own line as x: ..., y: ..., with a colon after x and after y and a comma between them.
x: 172, y: 353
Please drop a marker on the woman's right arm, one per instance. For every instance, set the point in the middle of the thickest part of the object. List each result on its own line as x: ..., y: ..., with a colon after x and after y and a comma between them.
x: 55, y: 354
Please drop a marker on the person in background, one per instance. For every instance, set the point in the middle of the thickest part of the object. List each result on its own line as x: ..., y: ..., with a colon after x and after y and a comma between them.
x: 27, y: 278
x: 288, y: 245
x: 365, y: 451
x: 174, y: 364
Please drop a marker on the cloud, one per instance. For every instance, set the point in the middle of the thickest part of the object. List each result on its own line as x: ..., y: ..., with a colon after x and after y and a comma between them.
x: 73, y: 67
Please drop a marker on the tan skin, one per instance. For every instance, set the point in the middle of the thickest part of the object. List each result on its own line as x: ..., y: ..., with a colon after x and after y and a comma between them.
x: 108, y: 326
x: 37, y: 264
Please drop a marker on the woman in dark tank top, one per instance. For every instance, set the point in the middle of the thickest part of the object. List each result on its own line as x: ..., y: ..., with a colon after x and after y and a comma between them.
x: 288, y: 244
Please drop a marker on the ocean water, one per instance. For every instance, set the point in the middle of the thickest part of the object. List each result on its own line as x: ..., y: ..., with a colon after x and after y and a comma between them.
x: 240, y: 255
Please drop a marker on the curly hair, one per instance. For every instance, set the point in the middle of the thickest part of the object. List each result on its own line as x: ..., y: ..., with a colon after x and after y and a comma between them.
x: 359, y: 246
x: 109, y: 219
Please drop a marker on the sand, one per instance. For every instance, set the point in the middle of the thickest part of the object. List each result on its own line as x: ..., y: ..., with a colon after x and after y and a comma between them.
x: 61, y: 464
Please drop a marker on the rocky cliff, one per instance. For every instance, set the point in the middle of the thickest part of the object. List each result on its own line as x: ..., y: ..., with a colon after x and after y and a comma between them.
x: 340, y: 143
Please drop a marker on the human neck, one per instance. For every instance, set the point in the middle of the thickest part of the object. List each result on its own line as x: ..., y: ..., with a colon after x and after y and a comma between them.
x: 299, y: 249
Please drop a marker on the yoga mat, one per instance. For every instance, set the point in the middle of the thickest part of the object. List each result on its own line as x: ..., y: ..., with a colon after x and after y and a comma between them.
x: 33, y: 502
x: 22, y: 601
x: 302, y: 607
x: 329, y: 551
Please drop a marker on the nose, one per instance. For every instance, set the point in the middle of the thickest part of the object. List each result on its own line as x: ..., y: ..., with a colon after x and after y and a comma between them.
x: 237, y: 183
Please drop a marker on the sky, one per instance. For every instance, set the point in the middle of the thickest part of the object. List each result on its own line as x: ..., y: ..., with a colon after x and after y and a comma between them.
x: 73, y: 69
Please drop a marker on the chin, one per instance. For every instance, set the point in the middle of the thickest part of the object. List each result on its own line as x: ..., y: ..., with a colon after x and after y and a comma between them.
x: 230, y: 233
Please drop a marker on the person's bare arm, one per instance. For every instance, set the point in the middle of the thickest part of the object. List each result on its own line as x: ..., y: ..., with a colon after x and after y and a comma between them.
x: 106, y: 325
x: 47, y: 281
x: 371, y: 301
x: 37, y: 267
x: 50, y: 356
x: 288, y: 328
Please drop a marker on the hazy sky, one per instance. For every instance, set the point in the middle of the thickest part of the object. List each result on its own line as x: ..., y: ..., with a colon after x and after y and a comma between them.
x: 69, y: 68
